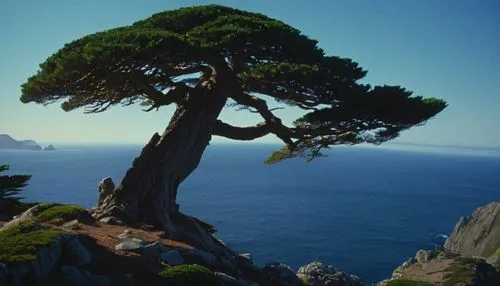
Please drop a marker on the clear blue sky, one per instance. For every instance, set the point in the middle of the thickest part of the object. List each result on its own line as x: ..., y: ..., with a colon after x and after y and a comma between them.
x: 448, y: 49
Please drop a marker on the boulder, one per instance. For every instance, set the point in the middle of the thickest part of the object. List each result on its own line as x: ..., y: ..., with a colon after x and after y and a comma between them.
x: 74, y: 276
x: 477, y: 235
x: 422, y: 256
x: 28, y: 215
x: 71, y: 225
x: 106, y: 188
x: 130, y: 244
x: 126, y: 234
x: 281, y: 274
x: 111, y: 220
x: 317, y: 274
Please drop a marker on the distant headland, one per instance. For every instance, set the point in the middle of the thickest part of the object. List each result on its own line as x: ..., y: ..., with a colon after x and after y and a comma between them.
x: 9, y: 143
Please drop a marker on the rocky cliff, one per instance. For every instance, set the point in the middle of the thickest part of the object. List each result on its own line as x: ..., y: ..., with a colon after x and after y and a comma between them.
x: 477, y: 235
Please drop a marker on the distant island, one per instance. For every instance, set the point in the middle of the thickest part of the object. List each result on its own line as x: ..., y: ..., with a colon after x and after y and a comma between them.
x: 50, y: 147
x: 9, y: 143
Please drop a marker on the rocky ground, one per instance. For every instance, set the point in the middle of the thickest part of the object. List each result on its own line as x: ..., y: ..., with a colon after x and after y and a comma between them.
x: 63, y: 245
x: 74, y: 249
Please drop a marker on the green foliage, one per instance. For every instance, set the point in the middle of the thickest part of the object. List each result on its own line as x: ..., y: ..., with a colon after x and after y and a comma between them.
x: 20, y: 243
x: 65, y: 212
x: 408, y: 283
x: 10, y: 186
x: 190, y: 275
x: 264, y: 56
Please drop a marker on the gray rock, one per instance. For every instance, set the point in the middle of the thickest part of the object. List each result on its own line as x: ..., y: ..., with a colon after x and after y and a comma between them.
x: 126, y: 234
x: 29, y: 214
x: 173, y: 257
x: 106, y: 188
x: 74, y: 252
x: 71, y: 225
x: 317, y: 274
x: 111, y: 220
x: 228, y: 280
x: 208, y: 257
x: 153, y: 249
x: 422, y: 256
x: 74, y: 276
x: 281, y: 274
x: 247, y: 256
x: 130, y: 244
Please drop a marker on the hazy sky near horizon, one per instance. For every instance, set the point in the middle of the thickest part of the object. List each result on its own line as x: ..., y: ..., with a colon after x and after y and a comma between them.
x: 447, y: 49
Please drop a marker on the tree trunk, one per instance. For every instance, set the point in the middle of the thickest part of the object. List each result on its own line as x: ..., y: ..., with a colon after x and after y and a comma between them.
x: 148, y: 191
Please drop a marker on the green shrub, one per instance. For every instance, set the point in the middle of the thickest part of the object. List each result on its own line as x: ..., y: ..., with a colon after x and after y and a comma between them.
x: 20, y: 243
x: 192, y: 274
x: 10, y: 187
x: 65, y: 212
x: 408, y: 283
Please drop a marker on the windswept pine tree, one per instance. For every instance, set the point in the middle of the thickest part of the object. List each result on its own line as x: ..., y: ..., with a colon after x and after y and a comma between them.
x: 203, y: 59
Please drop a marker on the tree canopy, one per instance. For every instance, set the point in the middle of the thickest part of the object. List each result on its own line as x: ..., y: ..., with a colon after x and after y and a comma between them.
x: 156, y: 61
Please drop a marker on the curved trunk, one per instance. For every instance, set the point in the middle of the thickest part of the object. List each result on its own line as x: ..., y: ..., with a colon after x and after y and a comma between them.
x: 148, y: 191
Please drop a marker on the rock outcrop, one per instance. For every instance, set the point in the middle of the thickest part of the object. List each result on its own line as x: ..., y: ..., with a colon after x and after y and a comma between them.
x: 444, y: 268
x: 477, y: 235
x: 317, y: 274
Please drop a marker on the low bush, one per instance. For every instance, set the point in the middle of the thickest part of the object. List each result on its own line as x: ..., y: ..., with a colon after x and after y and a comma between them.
x: 192, y: 274
x: 64, y: 212
x: 20, y: 243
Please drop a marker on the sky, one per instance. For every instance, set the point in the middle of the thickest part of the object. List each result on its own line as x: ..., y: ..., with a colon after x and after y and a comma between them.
x: 447, y: 49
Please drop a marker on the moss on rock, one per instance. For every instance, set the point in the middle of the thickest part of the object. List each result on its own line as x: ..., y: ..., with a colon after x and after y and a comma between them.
x: 190, y: 275
x: 64, y: 212
x: 21, y: 242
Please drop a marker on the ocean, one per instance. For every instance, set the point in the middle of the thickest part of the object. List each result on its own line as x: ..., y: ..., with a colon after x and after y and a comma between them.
x: 363, y: 210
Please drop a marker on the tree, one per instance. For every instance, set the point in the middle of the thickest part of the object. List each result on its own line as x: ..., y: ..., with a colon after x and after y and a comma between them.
x: 10, y: 186
x: 203, y: 59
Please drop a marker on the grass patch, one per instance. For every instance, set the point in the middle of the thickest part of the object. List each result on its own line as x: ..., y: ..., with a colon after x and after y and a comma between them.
x: 190, y: 275
x: 64, y: 212
x: 408, y: 283
x: 20, y: 243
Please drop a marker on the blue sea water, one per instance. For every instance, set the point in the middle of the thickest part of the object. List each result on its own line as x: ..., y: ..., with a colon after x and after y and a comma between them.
x: 364, y: 210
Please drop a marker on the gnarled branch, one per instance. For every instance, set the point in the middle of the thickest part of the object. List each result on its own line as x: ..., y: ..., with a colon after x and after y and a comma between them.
x: 240, y: 133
